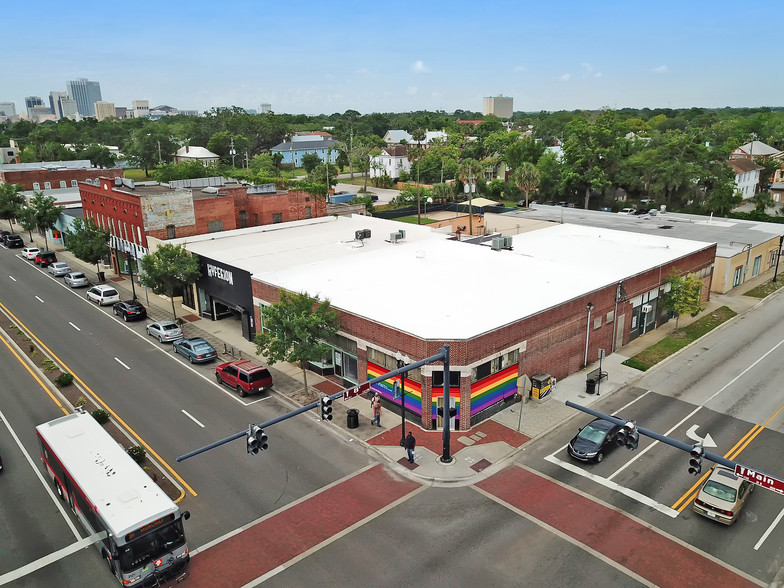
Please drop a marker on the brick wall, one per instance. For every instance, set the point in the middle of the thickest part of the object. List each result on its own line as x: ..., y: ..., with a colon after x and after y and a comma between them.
x: 26, y: 178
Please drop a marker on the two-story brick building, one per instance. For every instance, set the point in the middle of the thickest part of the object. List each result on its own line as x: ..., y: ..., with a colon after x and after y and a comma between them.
x: 48, y: 175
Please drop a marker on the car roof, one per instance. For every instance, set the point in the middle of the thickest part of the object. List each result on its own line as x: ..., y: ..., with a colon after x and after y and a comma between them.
x: 161, y: 323
x: 195, y: 340
x: 247, y: 365
x: 725, y: 476
x: 103, y: 287
x: 602, y: 424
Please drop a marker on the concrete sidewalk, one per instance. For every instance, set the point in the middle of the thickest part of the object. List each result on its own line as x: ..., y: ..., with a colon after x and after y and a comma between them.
x: 483, y: 450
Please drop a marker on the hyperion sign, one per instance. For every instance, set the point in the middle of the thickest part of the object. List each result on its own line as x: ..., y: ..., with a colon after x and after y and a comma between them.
x: 763, y: 480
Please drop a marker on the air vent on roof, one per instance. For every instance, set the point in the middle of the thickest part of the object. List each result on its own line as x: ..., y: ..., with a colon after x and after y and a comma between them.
x: 394, y: 237
x: 362, y: 234
x: 497, y: 244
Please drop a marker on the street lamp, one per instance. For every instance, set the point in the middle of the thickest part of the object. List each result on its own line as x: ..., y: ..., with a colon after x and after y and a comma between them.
x: 470, y: 189
x: 130, y: 268
x: 428, y: 201
x: 232, y: 152
x: 402, y: 360
x: 746, y: 247
x: 589, y: 308
x: 778, y: 254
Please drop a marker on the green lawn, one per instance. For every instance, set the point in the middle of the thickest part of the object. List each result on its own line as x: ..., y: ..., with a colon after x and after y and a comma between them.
x: 137, y: 175
x: 766, y: 289
x: 413, y: 220
x: 679, y: 339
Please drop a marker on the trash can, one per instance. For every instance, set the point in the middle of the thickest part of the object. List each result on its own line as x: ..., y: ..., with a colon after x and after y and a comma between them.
x: 101, y: 277
x: 352, y: 418
x: 590, y: 386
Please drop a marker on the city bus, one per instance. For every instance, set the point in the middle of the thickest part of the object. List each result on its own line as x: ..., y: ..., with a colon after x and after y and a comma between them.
x: 137, y: 528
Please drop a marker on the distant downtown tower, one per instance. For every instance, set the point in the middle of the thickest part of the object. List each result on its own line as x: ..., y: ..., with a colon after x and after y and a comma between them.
x: 86, y: 94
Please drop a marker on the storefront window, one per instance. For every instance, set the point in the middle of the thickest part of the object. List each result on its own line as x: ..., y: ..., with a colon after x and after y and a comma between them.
x: 494, y: 366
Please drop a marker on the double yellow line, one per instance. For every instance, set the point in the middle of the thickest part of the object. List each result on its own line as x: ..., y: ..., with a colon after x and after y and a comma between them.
x: 149, y: 449
x: 691, y: 493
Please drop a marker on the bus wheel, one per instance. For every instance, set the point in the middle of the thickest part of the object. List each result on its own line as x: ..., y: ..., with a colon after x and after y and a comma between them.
x: 108, y: 561
x: 59, y: 489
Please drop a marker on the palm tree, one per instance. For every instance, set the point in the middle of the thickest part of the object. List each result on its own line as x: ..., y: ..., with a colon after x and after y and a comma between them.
x: 418, y: 135
x: 526, y: 177
x: 468, y: 172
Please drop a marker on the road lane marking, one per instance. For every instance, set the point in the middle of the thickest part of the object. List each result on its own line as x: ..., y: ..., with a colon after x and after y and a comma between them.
x: 46, y: 560
x: 770, y: 529
x: 121, y: 363
x: 187, y: 414
x: 39, y: 299
x: 74, y: 326
x: 735, y: 379
x: 106, y: 407
x: 607, y: 483
x: 13, y: 278
x: 706, y: 441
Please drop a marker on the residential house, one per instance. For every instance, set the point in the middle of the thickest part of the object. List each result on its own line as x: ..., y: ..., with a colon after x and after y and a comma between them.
x: 192, y: 153
x: 747, y: 176
x: 299, y: 145
x: 755, y: 149
x: 392, y: 161
x: 397, y: 137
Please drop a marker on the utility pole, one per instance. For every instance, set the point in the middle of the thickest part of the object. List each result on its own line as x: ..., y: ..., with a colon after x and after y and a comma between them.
x: 778, y: 254
x: 232, y: 152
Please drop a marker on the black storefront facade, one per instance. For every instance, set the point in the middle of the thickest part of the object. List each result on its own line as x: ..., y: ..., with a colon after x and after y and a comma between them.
x: 224, y: 293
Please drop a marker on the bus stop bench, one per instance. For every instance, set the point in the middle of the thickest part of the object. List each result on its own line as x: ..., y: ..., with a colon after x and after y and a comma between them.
x: 597, y: 375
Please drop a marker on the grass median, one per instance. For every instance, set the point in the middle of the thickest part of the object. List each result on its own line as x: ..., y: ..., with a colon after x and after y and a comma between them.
x: 679, y: 339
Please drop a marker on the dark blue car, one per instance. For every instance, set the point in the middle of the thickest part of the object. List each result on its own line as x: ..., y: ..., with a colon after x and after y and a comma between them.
x: 197, y: 350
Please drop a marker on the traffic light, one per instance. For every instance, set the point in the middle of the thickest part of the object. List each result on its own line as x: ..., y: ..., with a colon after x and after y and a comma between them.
x: 326, y: 408
x: 628, y: 435
x: 257, y: 439
x: 695, y: 461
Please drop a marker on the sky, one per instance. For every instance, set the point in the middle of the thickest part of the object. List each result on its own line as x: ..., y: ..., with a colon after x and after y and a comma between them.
x: 307, y: 57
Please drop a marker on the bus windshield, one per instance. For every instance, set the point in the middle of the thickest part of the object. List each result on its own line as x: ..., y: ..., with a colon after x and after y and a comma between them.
x: 151, y: 546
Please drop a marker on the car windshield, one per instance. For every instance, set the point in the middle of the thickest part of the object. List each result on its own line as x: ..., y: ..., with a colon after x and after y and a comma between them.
x: 151, y: 546
x: 720, y: 491
x: 591, y: 433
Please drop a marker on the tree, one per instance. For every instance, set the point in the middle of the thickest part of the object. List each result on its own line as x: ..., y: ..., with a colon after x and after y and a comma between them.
x: 98, y: 155
x: 46, y: 213
x: 684, y: 295
x: 310, y: 161
x: 526, y: 177
x: 416, y: 155
x: 87, y: 241
x: 150, y: 146
x: 168, y: 270
x: 469, y: 172
x: 295, y: 330
x: 11, y: 202
x: 326, y: 174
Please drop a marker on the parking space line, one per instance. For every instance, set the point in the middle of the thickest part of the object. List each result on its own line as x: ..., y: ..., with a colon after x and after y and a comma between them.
x: 187, y: 414
x: 74, y: 326
x: 121, y: 363
x: 770, y: 529
x: 39, y: 299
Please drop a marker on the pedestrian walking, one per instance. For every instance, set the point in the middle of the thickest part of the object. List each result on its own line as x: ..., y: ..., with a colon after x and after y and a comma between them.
x: 376, y: 411
x: 410, y: 445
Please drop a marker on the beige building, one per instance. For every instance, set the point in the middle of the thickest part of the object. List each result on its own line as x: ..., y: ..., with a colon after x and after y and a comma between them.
x: 500, y: 106
x: 140, y: 108
x: 104, y: 110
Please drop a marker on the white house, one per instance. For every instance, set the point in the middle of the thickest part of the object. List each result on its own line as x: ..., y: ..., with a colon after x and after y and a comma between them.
x: 398, y: 136
x: 747, y: 176
x: 390, y: 162
x: 201, y: 154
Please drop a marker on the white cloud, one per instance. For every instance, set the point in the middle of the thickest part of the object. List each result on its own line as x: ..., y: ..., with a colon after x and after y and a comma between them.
x: 588, y: 67
x: 662, y: 69
x: 411, y: 90
x: 435, y: 95
x: 520, y: 68
x: 565, y: 77
x: 598, y: 74
x: 419, y: 67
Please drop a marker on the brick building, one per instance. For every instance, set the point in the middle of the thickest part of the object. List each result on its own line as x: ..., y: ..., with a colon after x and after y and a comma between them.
x: 47, y: 175
x: 547, y: 304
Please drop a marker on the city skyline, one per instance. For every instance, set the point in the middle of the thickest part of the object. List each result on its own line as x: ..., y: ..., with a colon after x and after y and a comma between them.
x: 307, y: 58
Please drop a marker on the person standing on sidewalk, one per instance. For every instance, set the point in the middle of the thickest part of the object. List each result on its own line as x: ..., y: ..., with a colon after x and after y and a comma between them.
x: 410, y: 445
x: 376, y: 410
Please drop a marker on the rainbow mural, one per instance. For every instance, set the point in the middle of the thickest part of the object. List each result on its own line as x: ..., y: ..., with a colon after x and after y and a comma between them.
x: 454, y: 393
x: 384, y: 388
x: 493, y: 389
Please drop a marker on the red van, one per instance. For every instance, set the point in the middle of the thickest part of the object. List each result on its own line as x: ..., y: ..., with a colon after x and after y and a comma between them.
x: 244, y: 376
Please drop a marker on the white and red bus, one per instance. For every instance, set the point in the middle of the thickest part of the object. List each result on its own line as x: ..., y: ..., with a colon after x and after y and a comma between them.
x: 137, y: 527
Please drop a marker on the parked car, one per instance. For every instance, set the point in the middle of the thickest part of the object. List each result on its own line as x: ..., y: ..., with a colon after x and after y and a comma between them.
x: 197, y: 350
x: 521, y: 203
x: 30, y: 252
x: 722, y: 496
x: 594, y: 440
x: 3, y: 235
x: 59, y: 268
x: 76, y: 279
x: 626, y: 211
x: 45, y: 258
x: 14, y: 242
x: 129, y: 310
x: 103, y: 295
x: 244, y: 376
x: 165, y: 331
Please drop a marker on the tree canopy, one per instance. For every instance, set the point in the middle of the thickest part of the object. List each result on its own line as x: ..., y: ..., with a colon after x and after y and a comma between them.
x: 87, y: 241
x: 169, y: 269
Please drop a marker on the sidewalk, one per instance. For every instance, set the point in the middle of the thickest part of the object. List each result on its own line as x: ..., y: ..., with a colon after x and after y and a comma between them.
x: 482, y: 451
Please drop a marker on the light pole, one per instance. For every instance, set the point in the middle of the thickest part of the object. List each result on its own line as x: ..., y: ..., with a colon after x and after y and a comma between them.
x: 402, y: 360
x: 778, y: 254
x: 747, y: 247
x: 470, y: 189
x: 589, y: 308
x: 232, y: 151
x: 130, y: 272
x: 428, y: 201
x: 160, y: 159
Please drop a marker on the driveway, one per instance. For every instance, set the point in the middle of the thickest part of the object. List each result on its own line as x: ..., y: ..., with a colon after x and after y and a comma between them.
x: 385, y: 195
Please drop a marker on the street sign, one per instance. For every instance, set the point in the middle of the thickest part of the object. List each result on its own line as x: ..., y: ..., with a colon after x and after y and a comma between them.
x: 763, y: 480
x: 355, y: 391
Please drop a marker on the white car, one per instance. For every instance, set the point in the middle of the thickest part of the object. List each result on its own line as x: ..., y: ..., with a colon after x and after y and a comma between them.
x: 76, y: 279
x: 58, y: 268
x: 30, y: 252
x: 165, y: 331
x: 103, y: 295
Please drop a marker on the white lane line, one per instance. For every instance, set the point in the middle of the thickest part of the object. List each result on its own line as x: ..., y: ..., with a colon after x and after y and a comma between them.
x: 185, y: 412
x: 48, y: 559
x: 770, y: 529
x: 74, y: 326
x: 634, y: 495
x: 735, y: 379
x: 13, y: 278
x: 39, y: 300
x: 121, y: 363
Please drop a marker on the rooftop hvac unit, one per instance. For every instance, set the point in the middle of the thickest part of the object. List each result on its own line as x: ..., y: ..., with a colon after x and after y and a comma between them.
x: 498, y: 243
x: 646, y: 308
x: 393, y: 237
x: 402, y: 233
x: 507, y: 242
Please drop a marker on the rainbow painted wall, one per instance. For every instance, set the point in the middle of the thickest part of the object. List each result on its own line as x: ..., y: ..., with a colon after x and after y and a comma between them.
x: 493, y: 389
x: 384, y: 388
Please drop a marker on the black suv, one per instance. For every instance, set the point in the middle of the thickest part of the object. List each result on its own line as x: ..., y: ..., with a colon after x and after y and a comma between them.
x: 130, y: 310
x: 13, y: 242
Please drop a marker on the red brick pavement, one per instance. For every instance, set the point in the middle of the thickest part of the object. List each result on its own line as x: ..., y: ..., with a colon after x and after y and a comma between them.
x: 292, y: 531
x: 660, y: 560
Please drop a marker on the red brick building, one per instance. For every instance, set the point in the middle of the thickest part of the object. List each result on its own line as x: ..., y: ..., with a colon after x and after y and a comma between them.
x: 53, y: 174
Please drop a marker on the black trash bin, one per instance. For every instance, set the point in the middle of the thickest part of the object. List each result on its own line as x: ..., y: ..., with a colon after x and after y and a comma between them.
x: 590, y: 386
x: 101, y: 277
x: 352, y: 418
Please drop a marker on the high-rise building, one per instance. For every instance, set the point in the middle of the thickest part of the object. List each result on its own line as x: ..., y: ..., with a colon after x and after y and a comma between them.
x: 31, y: 102
x: 500, y: 106
x: 86, y: 94
x: 140, y: 108
x: 54, y: 103
x: 68, y: 108
x: 104, y: 110
x: 7, y: 109
x: 265, y: 108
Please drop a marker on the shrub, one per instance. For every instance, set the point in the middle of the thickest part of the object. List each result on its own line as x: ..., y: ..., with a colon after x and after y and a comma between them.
x: 49, y: 365
x: 81, y: 401
x: 137, y: 453
x: 64, y: 379
x: 101, y: 416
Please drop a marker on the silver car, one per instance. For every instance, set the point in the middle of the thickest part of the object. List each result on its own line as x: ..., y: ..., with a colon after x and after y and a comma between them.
x: 58, y: 268
x: 76, y: 279
x: 165, y: 331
